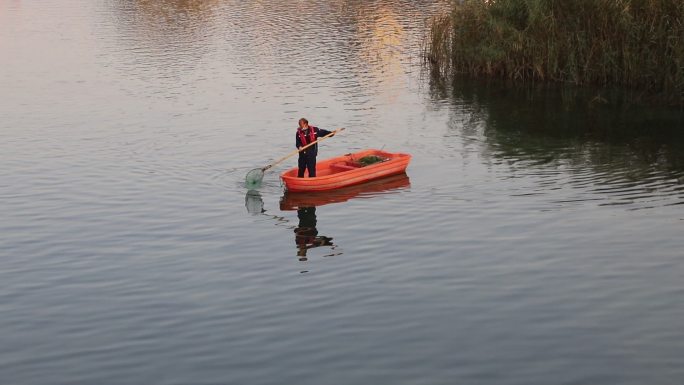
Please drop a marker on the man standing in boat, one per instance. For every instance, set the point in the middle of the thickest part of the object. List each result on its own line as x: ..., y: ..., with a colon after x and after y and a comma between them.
x: 305, y: 135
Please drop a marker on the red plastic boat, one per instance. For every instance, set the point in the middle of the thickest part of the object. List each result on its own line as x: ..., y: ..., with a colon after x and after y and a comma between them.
x: 346, y: 170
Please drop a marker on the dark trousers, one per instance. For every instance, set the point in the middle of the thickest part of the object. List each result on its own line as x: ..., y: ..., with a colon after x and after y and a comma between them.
x: 307, y: 162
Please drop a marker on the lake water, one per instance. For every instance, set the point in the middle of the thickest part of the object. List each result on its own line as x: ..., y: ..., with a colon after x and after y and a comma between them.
x: 536, y: 239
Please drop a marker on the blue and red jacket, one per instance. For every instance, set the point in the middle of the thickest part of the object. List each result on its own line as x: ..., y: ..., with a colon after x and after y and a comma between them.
x: 304, y: 137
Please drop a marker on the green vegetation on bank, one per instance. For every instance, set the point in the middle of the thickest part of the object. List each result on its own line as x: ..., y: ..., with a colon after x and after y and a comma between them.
x: 637, y: 44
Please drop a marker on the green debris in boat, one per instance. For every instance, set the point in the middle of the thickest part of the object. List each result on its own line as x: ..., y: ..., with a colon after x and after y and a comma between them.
x: 370, y: 159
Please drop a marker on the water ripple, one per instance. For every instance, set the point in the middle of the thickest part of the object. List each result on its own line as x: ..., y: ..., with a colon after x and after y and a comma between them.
x: 132, y: 253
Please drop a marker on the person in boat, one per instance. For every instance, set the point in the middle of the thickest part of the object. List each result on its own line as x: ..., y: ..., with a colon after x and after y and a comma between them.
x: 305, y: 135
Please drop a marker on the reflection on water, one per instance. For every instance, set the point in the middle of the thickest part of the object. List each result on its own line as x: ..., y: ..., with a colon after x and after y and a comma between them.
x: 538, y: 122
x: 163, y: 39
x: 591, y: 140
x: 254, y: 202
x: 388, y: 185
x: 306, y: 234
x: 354, y: 50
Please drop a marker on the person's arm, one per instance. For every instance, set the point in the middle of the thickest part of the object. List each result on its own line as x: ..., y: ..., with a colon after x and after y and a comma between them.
x: 298, y: 142
x: 321, y: 133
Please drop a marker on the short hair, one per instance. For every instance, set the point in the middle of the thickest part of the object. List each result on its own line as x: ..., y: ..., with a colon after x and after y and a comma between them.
x: 304, y: 120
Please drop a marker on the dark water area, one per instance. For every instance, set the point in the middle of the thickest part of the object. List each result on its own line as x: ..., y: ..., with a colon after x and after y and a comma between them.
x: 536, y: 237
x: 605, y: 131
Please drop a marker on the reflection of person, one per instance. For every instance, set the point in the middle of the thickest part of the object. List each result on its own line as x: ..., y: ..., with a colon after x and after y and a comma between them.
x: 305, y: 135
x: 306, y: 235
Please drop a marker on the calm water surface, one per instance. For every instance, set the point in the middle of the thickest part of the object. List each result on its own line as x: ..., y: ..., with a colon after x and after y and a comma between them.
x: 536, y: 239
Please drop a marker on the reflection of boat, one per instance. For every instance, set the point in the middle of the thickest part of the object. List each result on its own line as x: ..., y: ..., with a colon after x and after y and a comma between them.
x: 295, y: 200
x: 345, y: 170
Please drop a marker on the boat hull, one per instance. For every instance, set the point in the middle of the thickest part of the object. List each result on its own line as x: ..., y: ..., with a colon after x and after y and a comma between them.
x: 343, y: 171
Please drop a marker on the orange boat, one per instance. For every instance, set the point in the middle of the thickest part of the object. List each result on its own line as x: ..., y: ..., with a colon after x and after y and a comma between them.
x: 296, y: 200
x: 346, y: 170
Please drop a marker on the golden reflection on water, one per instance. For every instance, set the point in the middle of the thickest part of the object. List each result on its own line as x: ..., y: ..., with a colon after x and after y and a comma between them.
x: 168, y: 9
x: 269, y: 39
x: 383, y: 49
x: 154, y: 29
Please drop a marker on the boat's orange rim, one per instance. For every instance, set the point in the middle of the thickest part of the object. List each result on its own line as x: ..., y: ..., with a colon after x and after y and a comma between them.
x: 402, y: 158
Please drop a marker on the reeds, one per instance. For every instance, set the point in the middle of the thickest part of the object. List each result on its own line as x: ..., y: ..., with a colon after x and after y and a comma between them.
x: 633, y: 43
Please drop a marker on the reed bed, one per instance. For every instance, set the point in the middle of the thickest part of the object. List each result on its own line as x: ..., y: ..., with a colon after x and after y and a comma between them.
x: 638, y: 44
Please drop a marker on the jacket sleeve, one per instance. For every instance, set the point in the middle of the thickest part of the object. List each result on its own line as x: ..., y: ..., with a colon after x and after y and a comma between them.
x: 321, y: 133
x: 298, y: 143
